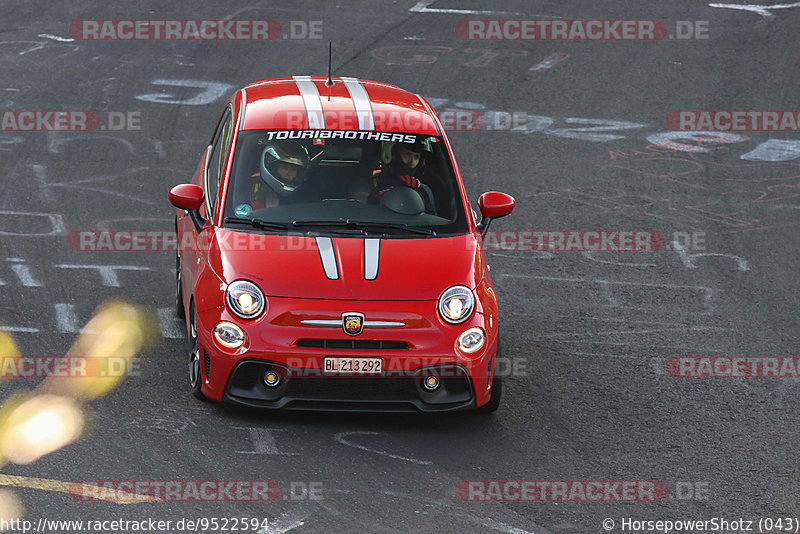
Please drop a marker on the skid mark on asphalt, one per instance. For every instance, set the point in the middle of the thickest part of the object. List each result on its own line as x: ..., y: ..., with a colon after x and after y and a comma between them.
x: 340, y: 437
x: 549, y: 62
x: 688, y: 259
x: 55, y: 220
x: 209, y: 92
x: 263, y: 441
x: 162, y: 424
x: 54, y: 142
x: 443, y: 507
x: 590, y: 256
x: 679, y: 328
x: 77, y: 185
x: 706, y: 293
x: 285, y: 522
x: 37, y: 45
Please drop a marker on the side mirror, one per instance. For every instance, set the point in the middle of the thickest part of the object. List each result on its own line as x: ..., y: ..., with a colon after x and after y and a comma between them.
x: 188, y: 197
x: 494, y: 205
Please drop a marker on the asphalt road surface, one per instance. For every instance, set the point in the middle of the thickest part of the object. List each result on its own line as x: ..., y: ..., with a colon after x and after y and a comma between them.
x: 576, y: 131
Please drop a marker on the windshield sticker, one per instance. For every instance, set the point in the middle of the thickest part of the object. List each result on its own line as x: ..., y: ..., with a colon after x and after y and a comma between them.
x: 242, y: 210
x: 338, y: 134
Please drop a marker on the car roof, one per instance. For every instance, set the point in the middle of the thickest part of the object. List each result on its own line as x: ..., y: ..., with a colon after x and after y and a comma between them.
x: 306, y: 102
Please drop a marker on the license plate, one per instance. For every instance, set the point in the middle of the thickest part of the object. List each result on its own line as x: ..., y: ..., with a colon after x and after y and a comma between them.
x: 362, y: 366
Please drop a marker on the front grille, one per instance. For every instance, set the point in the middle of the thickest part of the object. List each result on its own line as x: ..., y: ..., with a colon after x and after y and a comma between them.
x: 357, y: 344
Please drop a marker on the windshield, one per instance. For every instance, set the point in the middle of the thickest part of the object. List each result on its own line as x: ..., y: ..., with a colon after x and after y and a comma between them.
x: 323, y: 179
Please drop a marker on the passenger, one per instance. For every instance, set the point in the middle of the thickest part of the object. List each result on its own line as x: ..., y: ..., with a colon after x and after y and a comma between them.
x: 283, y: 165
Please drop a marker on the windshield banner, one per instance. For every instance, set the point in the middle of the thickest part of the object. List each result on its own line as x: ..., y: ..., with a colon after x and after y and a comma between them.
x: 341, y: 134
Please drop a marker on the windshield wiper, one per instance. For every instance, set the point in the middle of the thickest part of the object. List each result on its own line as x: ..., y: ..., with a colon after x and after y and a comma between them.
x: 358, y: 225
x: 257, y: 223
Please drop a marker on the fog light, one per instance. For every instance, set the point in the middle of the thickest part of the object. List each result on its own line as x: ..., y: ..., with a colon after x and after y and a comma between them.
x: 471, y: 340
x: 272, y: 379
x: 431, y: 383
x: 229, y: 335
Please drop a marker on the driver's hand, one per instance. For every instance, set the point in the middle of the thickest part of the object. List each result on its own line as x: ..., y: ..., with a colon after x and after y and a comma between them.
x: 410, y: 181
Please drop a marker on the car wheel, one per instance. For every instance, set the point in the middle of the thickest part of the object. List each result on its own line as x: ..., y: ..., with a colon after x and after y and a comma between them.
x: 179, y: 288
x: 496, y: 390
x: 195, y: 361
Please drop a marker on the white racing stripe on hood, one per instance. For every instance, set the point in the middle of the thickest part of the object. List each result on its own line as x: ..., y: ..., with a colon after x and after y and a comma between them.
x: 328, y: 256
x: 372, y: 258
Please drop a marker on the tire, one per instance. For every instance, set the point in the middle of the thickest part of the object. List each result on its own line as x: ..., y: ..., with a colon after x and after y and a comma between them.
x: 496, y: 390
x: 195, y: 361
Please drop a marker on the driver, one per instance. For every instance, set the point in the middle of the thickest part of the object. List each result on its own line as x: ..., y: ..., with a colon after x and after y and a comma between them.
x: 283, y: 167
x: 407, y: 168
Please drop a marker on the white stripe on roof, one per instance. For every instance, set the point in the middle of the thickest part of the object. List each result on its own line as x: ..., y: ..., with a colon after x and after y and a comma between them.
x: 314, y: 113
x: 366, y: 119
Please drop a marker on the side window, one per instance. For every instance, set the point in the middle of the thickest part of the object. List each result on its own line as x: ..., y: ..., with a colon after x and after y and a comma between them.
x: 216, y: 162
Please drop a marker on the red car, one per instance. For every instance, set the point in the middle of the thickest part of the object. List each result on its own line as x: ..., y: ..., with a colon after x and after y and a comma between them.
x: 329, y: 258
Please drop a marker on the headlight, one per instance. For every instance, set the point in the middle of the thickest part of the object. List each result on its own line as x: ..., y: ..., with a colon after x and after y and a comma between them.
x: 245, y: 299
x: 229, y: 335
x: 471, y: 340
x: 456, y: 304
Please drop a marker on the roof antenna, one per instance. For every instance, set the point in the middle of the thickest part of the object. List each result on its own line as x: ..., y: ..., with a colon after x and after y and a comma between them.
x: 329, y: 81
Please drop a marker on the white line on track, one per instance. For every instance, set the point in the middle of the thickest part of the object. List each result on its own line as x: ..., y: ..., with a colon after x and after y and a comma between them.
x: 764, y: 11
x: 19, y: 329
x: 422, y: 7
x: 66, y: 318
x: 171, y: 325
x: 56, y: 38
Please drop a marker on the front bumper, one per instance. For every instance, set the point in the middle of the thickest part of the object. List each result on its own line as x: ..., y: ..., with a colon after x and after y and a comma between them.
x: 279, y: 341
x: 298, y: 391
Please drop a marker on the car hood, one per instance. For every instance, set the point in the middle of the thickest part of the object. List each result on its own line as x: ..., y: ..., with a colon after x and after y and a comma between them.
x: 347, y: 268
